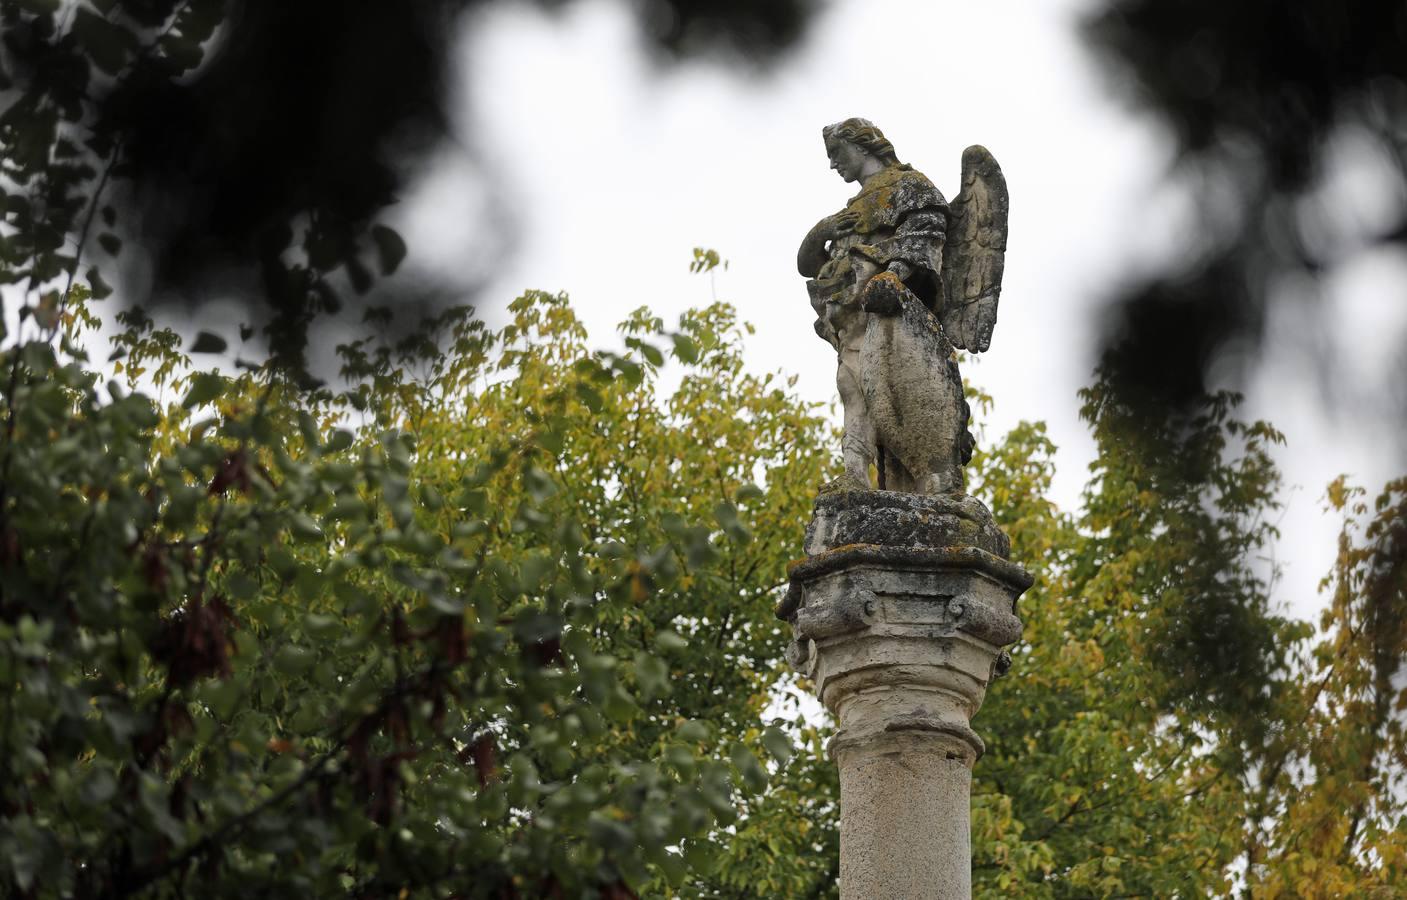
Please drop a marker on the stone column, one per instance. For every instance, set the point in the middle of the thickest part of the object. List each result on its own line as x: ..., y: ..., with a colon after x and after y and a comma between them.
x: 899, y: 612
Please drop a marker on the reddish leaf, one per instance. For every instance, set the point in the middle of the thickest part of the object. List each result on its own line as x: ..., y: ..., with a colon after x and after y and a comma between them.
x: 484, y: 755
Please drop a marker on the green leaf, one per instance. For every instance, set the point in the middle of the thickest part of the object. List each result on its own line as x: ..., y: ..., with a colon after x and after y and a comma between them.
x: 669, y: 640
x: 590, y: 396
x: 681, y: 758
x: 620, y: 707
x: 205, y: 388
x: 321, y: 627
x: 651, y: 674
x: 341, y: 440
x: 304, y: 529
x: 685, y: 349
x: 726, y: 514
x: 753, y: 775
x: 100, y: 288
x: 702, y: 856
x: 693, y: 732
x: 473, y: 501
x: 241, y: 587
x: 652, y: 353
x: 308, y: 429
x: 98, y: 788
x: 293, y: 660
x: 674, y: 866
x: 749, y: 492
x: 223, y: 697
x: 717, y: 790
x: 777, y: 744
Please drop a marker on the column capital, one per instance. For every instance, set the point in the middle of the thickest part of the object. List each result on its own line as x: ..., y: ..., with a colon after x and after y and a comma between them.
x: 902, y: 633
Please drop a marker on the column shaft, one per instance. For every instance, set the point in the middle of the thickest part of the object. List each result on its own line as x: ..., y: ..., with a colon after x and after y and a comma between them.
x: 904, y: 831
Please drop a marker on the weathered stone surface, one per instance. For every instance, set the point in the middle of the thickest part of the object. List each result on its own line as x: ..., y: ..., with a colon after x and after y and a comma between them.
x: 906, y: 598
x: 899, y: 279
x: 972, y: 271
x: 894, y: 519
x: 899, y: 615
x: 914, y: 395
x: 904, y: 825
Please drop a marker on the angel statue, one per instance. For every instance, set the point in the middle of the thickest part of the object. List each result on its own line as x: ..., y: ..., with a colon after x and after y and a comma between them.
x: 899, y: 280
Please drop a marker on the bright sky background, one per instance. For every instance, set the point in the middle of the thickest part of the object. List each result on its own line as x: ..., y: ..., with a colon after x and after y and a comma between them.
x: 608, y: 170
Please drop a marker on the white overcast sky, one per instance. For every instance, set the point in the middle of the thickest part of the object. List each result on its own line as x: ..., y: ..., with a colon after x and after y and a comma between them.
x: 613, y: 169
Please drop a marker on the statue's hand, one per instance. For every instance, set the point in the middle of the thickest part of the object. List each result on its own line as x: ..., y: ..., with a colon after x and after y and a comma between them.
x: 815, y: 247
x: 843, y: 223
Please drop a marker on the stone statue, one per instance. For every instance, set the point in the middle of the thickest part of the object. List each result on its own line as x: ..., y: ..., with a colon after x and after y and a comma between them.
x: 899, y: 280
x: 907, y: 594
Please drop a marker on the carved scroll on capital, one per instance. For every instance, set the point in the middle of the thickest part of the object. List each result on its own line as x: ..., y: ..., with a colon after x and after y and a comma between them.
x: 922, y: 622
x: 849, y: 611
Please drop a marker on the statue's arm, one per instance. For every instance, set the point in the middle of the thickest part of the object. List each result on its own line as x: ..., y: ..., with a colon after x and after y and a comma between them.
x: 812, y: 254
x: 928, y: 224
x: 918, y: 241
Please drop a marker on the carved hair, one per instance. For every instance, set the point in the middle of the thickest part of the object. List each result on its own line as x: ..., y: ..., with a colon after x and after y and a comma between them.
x: 863, y: 134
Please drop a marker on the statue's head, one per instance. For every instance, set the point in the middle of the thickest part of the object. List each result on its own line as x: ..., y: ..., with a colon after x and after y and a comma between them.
x: 852, y: 142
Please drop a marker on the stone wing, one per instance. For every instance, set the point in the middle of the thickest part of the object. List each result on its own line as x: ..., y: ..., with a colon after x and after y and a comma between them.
x: 975, y: 252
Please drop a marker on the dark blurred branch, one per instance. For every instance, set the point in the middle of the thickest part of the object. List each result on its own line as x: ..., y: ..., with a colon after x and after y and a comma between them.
x: 1253, y: 94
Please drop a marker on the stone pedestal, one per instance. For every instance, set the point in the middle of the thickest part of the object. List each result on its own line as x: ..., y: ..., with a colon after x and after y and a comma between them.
x: 900, y: 612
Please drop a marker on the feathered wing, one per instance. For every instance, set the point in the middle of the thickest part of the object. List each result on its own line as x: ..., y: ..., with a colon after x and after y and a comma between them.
x: 975, y: 252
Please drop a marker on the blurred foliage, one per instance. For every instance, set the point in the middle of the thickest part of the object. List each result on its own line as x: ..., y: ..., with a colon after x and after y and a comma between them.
x: 248, y: 148
x: 1256, y: 97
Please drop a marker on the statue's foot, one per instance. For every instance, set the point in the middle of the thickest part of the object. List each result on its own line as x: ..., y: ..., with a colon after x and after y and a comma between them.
x: 846, y: 482
x: 944, y: 483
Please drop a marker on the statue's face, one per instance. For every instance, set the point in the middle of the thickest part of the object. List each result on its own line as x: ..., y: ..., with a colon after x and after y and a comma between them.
x: 847, y: 159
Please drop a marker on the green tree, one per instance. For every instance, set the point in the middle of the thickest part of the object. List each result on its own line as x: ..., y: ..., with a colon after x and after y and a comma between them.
x: 1163, y: 731
x: 496, y: 622
x: 1333, y: 785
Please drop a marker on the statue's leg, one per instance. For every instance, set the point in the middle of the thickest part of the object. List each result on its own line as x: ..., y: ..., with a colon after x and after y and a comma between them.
x: 897, y: 477
x: 858, y: 445
x: 947, y: 475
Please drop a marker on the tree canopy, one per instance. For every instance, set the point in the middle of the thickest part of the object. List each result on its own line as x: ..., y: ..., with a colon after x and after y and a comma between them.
x: 465, y: 645
x: 496, y: 621
x: 492, y: 618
